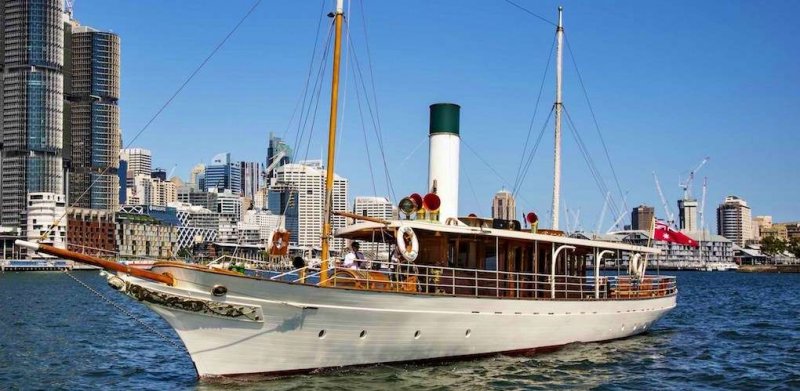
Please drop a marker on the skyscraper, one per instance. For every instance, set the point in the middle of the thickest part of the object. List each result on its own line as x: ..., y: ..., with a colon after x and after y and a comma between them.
x: 378, y: 207
x: 223, y: 174
x: 642, y: 218
x: 734, y: 221
x: 91, y: 115
x: 278, y: 154
x: 504, y: 206
x: 306, y: 180
x: 687, y: 213
x: 140, y: 161
x: 32, y: 101
x: 250, y: 173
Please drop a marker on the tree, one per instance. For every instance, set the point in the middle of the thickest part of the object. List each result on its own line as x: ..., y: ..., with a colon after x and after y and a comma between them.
x: 794, y: 247
x: 184, y: 253
x: 771, y: 245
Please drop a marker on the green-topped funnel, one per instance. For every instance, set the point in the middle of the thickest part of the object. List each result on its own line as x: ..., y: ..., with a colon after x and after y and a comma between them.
x: 445, y: 118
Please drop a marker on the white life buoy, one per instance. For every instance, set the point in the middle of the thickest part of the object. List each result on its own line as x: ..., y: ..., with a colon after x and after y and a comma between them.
x: 409, y: 254
x: 637, y: 266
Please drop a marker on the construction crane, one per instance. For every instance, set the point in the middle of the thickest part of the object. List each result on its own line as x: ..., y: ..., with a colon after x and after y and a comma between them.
x: 68, y: 5
x: 670, y: 217
x: 703, y: 204
x: 687, y: 184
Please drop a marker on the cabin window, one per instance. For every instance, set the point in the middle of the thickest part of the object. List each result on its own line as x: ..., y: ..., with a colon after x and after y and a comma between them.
x: 490, y: 262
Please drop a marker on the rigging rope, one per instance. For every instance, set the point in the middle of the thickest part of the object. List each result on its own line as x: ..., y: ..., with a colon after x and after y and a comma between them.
x: 596, y: 123
x: 542, y: 18
x: 535, y: 148
x: 533, y: 118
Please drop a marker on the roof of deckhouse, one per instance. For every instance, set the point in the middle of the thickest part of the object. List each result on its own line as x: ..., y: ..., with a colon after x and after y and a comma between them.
x: 364, y: 231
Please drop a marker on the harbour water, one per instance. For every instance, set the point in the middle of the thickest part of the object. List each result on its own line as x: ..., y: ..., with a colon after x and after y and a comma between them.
x: 730, y: 331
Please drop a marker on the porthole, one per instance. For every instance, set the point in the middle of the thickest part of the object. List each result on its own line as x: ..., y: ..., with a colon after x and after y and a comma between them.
x: 468, y: 333
x: 322, y: 334
x: 417, y: 334
x: 363, y: 334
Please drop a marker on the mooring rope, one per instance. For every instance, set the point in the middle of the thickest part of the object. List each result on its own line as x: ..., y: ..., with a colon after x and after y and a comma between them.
x: 126, y: 312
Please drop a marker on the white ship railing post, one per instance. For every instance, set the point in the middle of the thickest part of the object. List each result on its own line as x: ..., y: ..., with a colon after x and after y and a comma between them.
x: 597, y: 258
x: 553, y: 268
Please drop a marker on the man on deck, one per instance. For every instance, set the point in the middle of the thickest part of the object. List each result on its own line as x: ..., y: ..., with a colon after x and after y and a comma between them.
x: 354, y: 259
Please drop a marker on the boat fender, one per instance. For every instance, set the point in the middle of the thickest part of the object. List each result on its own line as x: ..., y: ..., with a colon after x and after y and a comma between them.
x: 409, y: 252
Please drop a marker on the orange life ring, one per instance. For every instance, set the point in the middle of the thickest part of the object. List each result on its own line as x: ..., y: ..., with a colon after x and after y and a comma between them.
x: 279, y: 243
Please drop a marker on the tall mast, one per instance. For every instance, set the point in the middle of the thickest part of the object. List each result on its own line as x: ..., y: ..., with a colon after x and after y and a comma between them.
x: 326, y: 225
x: 558, y: 104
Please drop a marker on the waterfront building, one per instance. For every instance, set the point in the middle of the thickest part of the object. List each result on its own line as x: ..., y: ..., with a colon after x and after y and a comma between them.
x: 712, y: 249
x: 250, y: 173
x: 197, y: 225
x: 760, y: 223
x: 32, y: 102
x: 223, y: 174
x: 141, y: 235
x: 642, y: 218
x: 45, y: 220
x: 229, y: 205
x: 264, y: 220
x: 91, y: 231
x: 777, y: 231
x: 792, y: 230
x: 247, y: 233
x: 734, y: 220
x: 306, y: 180
x: 91, y: 116
x: 687, y: 215
x: 504, y: 207
x: 8, y: 235
x: 197, y: 197
x: 377, y: 207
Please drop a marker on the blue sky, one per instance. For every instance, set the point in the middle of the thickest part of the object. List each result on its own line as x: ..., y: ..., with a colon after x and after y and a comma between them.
x: 670, y: 83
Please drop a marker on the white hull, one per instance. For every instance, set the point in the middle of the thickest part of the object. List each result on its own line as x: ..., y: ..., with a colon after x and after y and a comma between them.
x: 288, y: 337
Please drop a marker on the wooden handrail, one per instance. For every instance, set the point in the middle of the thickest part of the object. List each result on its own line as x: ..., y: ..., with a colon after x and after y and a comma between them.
x: 360, y: 217
x: 95, y: 261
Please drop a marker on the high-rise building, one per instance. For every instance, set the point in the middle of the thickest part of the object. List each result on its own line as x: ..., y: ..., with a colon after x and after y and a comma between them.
x: 278, y: 154
x: 306, y: 180
x: 250, y: 172
x: 91, y: 231
x: 734, y: 221
x: 223, y: 174
x: 140, y: 161
x: 687, y: 215
x: 642, y: 218
x: 377, y: 207
x: 504, y: 206
x: 282, y: 201
x: 91, y: 116
x: 197, y: 174
x: 32, y: 101
x: 197, y: 225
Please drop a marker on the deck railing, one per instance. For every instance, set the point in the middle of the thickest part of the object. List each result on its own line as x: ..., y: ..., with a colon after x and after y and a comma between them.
x: 485, y: 283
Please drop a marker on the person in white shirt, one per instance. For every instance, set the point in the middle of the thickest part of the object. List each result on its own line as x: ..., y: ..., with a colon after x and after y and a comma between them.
x: 354, y: 259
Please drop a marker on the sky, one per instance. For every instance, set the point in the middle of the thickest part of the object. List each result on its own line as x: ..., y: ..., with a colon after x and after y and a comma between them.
x: 670, y: 83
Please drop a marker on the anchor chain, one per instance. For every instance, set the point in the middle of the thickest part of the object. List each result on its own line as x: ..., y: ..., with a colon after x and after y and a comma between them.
x: 126, y: 312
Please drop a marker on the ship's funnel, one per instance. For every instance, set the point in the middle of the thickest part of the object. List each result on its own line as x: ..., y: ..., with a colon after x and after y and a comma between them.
x: 443, y: 157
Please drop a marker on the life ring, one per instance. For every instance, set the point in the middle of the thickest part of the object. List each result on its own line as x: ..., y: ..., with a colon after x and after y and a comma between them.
x: 278, y: 242
x: 637, y: 266
x: 409, y: 254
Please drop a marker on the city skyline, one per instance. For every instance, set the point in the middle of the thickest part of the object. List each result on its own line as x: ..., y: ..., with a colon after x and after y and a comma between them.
x: 684, y: 109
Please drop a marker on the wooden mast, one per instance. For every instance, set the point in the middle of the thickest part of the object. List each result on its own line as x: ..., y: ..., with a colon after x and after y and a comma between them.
x: 326, y: 224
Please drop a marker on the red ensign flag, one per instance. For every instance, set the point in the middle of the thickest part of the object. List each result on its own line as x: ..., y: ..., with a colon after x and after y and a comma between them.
x: 665, y: 233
